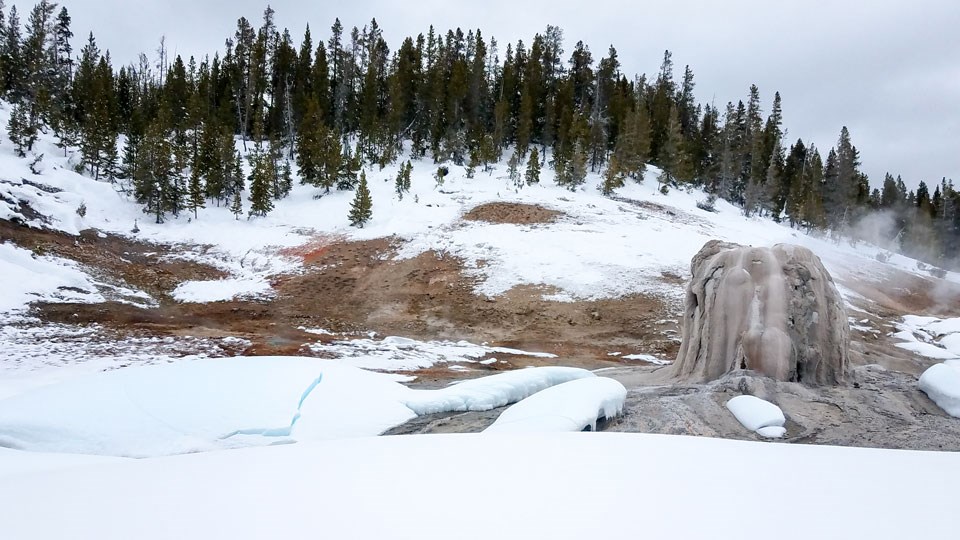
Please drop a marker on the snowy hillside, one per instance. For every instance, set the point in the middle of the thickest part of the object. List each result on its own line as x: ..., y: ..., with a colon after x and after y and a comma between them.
x: 598, y: 247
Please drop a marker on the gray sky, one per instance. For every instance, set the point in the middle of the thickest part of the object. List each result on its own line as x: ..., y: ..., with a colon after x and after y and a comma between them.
x: 889, y: 71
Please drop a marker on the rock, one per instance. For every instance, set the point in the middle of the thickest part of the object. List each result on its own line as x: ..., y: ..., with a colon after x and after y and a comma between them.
x: 771, y: 310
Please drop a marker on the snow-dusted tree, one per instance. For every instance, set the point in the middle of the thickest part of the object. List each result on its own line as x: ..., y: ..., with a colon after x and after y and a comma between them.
x: 361, y: 208
x: 532, y: 175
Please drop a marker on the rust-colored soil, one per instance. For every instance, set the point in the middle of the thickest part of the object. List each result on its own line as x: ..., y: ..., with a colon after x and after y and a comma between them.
x: 515, y: 213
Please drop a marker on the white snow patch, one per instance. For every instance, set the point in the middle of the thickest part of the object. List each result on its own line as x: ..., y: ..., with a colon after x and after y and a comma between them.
x: 755, y: 414
x: 649, y: 358
x: 30, y: 278
x: 222, y: 289
x: 571, y: 406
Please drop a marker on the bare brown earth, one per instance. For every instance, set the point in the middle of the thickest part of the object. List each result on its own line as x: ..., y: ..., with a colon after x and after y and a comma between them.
x: 357, y: 287
x: 515, y: 213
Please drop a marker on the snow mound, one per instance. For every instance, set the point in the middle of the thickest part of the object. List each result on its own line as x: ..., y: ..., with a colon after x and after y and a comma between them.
x: 210, y: 404
x: 942, y: 383
x: 494, y: 391
x: 757, y: 414
x: 571, y: 406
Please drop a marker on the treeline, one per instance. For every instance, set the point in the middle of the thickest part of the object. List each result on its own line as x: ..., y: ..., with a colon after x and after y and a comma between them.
x: 459, y: 98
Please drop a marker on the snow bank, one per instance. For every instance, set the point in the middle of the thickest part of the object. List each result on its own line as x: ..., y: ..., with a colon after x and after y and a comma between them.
x: 942, y: 383
x: 758, y: 415
x: 373, y: 488
x: 210, y: 404
x: 491, y: 392
x: 571, y: 406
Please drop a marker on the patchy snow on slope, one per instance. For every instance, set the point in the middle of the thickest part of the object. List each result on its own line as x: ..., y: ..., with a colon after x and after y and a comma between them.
x: 571, y: 406
x: 758, y: 415
x: 209, y: 404
x: 929, y: 336
x: 394, y: 353
x: 367, y: 488
x: 31, y: 278
x: 941, y: 382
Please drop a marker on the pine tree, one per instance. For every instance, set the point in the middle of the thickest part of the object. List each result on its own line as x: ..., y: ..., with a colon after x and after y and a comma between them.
x: 578, y: 167
x: 195, y: 195
x: 613, y: 178
x: 349, y: 167
x: 20, y: 131
x: 513, y: 168
x: 261, y: 180
x: 361, y: 209
x: 532, y: 175
x: 236, y: 205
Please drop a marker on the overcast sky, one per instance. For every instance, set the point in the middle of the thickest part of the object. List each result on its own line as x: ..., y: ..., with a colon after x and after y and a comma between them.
x: 889, y: 71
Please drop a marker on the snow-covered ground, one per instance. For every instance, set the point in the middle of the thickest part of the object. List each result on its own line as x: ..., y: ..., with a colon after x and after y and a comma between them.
x: 209, y: 404
x: 556, y: 485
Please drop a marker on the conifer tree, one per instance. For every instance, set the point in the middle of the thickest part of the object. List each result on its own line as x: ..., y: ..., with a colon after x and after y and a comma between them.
x: 261, y: 180
x: 195, y: 195
x: 613, y: 177
x: 236, y: 205
x: 20, y: 131
x: 578, y: 167
x: 361, y: 208
x: 348, y: 169
x: 532, y: 175
x: 513, y: 168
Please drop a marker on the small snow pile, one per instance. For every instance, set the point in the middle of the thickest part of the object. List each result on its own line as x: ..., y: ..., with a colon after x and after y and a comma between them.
x: 758, y: 415
x: 218, y: 290
x: 29, y: 278
x: 394, y: 353
x: 211, y: 404
x: 942, y: 383
x: 494, y: 391
x: 571, y: 406
x: 929, y: 336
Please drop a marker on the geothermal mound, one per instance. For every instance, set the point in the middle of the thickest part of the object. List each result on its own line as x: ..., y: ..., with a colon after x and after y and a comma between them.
x: 772, y: 310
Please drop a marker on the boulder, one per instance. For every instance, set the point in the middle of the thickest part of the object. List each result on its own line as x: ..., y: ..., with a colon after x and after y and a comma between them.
x: 773, y: 310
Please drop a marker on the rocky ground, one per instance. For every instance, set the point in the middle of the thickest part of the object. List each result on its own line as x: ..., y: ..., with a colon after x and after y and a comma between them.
x: 357, y: 287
